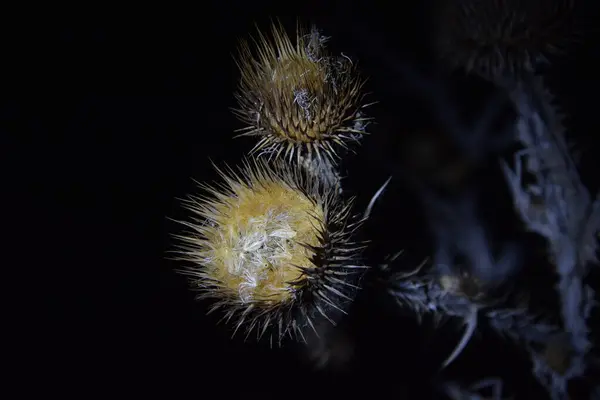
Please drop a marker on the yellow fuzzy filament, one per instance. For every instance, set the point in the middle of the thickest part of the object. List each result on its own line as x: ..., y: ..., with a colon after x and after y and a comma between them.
x: 256, y: 240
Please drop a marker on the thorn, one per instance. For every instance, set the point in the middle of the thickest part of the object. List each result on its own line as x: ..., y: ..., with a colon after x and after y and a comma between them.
x: 375, y: 197
x: 471, y: 326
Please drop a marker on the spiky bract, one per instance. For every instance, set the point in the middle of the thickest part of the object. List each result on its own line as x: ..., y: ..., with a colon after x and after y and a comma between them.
x: 272, y: 247
x: 499, y: 37
x: 298, y: 99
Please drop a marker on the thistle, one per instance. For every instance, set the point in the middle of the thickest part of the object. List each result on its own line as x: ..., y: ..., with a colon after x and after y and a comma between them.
x: 272, y: 247
x: 298, y: 100
x: 499, y: 37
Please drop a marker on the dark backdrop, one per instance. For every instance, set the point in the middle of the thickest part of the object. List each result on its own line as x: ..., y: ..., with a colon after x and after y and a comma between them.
x: 119, y: 113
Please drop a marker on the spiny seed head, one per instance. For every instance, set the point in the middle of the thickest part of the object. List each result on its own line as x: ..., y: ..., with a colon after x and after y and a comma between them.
x: 462, y: 285
x: 499, y: 37
x: 272, y: 248
x: 297, y: 99
x: 468, y: 286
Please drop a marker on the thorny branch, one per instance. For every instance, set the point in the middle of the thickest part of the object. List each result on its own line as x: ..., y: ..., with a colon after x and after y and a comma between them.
x: 557, y: 206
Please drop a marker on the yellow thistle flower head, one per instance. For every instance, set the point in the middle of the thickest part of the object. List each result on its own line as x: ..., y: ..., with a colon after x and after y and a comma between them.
x: 299, y: 100
x: 272, y: 248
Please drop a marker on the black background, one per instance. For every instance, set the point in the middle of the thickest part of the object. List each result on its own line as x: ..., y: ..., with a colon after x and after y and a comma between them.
x: 118, y: 113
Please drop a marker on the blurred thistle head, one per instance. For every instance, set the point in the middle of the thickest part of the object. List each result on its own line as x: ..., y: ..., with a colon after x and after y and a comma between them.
x: 500, y: 37
x: 272, y: 247
x: 463, y: 284
x: 299, y: 100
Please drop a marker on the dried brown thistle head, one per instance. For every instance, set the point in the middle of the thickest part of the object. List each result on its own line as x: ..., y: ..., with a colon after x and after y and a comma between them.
x: 299, y: 100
